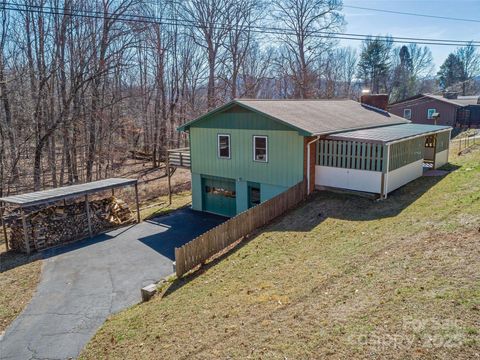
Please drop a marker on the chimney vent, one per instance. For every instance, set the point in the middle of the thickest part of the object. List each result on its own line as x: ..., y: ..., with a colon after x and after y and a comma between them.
x: 379, y: 101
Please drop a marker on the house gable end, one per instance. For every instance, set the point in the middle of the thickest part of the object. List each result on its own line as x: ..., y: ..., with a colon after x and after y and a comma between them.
x: 234, y: 115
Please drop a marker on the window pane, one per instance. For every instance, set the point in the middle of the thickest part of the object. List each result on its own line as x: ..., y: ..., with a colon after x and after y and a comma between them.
x: 261, y: 143
x: 260, y: 149
x: 260, y: 154
x: 224, y: 146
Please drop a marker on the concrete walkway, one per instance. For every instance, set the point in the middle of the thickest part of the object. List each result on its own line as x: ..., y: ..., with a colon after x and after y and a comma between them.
x: 83, y: 283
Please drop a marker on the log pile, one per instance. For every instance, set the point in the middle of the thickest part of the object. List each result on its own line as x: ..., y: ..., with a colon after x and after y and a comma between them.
x: 140, y: 155
x: 57, y: 224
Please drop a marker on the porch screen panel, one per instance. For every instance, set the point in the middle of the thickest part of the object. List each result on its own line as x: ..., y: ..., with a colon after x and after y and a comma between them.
x: 406, y: 152
x: 442, y: 141
x: 350, y: 155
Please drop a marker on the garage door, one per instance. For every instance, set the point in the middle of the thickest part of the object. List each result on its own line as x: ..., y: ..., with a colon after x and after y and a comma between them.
x: 219, y: 196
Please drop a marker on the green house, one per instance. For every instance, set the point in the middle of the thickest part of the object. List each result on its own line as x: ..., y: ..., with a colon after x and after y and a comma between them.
x: 248, y: 151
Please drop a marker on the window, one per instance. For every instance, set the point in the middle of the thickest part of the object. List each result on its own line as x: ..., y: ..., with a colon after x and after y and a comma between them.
x: 407, y: 113
x: 430, y: 113
x: 254, y: 196
x: 224, y: 146
x: 220, y: 191
x: 260, y: 148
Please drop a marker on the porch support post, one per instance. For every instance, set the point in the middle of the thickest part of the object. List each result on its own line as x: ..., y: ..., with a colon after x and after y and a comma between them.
x: 387, y: 169
x: 382, y: 186
x: 137, y: 203
x: 2, y: 211
x: 89, y: 220
x: 169, y: 180
x: 25, y: 231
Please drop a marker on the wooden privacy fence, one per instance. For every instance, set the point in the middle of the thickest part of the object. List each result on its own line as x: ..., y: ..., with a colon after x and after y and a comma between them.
x: 215, y: 240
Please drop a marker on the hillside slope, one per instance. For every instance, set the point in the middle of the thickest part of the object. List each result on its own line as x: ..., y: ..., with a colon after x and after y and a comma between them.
x: 339, y: 277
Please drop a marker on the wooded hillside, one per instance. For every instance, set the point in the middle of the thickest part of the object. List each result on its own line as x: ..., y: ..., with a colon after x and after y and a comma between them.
x: 86, y: 83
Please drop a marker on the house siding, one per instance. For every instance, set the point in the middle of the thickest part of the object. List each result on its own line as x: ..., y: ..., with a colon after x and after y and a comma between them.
x: 285, y: 164
x: 420, y: 106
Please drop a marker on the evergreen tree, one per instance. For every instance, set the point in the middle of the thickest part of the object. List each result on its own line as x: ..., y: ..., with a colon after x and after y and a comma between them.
x: 451, y: 72
x: 374, y: 64
x: 404, y: 81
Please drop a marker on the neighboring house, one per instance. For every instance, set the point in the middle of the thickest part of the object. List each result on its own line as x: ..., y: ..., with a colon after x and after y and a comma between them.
x: 449, y: 109
x: 248, y: 151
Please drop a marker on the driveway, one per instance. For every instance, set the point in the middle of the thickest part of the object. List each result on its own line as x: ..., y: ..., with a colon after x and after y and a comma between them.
x: 83, y: 283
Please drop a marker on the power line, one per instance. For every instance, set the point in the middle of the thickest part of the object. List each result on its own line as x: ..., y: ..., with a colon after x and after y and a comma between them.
x: 411, y: 14
x: 252, y: 28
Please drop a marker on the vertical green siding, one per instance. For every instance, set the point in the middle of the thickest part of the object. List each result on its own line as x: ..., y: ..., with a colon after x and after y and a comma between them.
x: 283, y: 169
x: 350, y: 155
x: 285, y: 151
x: 242, y: 196
x: 268, y: 191
x: 196, y: 192
x: 406, y: 152
x: 443, y: 141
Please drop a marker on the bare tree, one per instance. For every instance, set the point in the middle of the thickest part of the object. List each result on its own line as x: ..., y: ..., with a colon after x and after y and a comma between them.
x: 470, y: 58
x: 307, y: 23
x: 212, y: 25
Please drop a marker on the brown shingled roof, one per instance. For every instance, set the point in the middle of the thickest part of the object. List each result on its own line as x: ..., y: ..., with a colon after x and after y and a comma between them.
x: 460, y: 101
x: 316, y: 117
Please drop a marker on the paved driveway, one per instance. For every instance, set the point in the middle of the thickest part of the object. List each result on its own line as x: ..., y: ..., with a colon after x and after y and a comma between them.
x: 85, y: 282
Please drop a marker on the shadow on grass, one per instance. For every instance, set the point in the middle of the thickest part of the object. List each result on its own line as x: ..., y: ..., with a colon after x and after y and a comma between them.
x: 322, y: 205
x: 12, y: 259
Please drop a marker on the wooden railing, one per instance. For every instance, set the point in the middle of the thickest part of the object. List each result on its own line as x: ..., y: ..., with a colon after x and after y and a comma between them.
x: 179, y: 157
x: 215, y: 240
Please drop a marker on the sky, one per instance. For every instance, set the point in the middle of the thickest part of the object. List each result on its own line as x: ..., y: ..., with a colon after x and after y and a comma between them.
x: 378, y: 23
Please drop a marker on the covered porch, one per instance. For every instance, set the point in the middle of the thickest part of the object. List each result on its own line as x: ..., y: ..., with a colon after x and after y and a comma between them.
x: 380, y: 160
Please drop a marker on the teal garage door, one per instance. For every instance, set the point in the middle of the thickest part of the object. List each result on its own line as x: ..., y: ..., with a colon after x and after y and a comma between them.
x: 219, y: 196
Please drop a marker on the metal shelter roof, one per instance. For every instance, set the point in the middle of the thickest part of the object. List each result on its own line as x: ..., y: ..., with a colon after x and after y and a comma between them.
x: 47, y: 196
x: 388, y: 134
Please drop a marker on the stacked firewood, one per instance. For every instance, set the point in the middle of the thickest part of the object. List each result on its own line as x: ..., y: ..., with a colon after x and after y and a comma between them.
x: 57, y: 224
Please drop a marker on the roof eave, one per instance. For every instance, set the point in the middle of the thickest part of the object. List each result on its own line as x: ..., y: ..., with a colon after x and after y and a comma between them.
x: 449, y: 128
x: 231, y: 103
x: 187, y: 125
x: 360, y: 128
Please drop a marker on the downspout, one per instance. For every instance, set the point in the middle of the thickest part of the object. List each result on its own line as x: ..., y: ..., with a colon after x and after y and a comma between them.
x: 308, y: 162
x: 385, y: 191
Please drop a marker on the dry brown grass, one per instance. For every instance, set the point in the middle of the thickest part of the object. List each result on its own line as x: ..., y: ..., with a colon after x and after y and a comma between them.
x: 19, y: 276
x: 340, y: 277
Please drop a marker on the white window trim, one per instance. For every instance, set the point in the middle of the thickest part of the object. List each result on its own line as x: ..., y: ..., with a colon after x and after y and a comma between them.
x: 404, y: 114
x: 428, y: 113
x: 229, y: 147
x: 266, y: 148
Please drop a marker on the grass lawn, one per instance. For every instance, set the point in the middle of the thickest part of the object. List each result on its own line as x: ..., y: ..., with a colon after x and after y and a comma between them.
x: 339, y: 277
x: 160, y: 205
x: 19, y: 276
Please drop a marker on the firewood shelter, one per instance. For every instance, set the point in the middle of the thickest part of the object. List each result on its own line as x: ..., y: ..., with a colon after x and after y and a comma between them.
x: 25, y: 203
